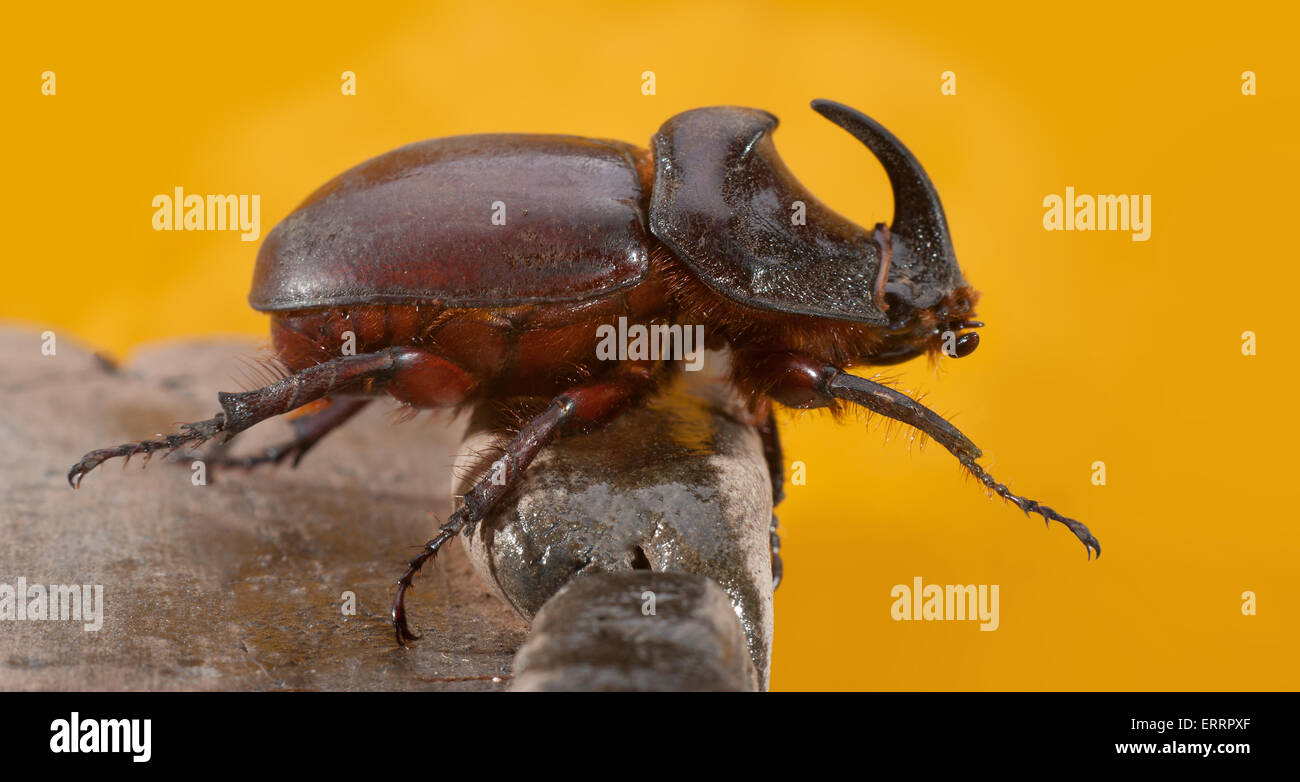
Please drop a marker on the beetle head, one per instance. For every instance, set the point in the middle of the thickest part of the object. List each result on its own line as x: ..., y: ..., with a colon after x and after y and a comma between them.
x: 919, y: 285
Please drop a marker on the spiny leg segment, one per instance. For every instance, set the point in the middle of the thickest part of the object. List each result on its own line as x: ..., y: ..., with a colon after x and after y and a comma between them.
x: 888, y: 402
x: 1031, y: 506
x: 590, y: 404
x: 800, y: 381
x: 307, y: 432
x: 190, y: 434
x: 243, y: 410
x: 771, y: 439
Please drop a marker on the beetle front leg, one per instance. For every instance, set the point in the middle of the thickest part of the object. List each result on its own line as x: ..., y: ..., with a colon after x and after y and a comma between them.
x: 243, y: 410
x: 589, y: 405
x: 798, y: 381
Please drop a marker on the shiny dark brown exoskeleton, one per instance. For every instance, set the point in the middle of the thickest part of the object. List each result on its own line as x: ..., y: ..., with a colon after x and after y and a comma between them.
x: 480, y: 268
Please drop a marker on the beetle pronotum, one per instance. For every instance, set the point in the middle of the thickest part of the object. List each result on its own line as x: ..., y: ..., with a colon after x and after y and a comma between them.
x: 450, y: 307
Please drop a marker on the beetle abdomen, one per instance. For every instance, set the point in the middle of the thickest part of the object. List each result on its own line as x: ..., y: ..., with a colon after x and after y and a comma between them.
x: 506, y: 351
x: 466, y: 221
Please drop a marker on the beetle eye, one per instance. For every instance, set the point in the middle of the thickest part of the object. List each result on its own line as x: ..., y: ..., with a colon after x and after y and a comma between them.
x: 966, y: 344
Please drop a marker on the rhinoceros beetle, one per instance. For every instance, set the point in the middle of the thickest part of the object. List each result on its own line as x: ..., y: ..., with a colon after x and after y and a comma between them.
x: 480, y: 269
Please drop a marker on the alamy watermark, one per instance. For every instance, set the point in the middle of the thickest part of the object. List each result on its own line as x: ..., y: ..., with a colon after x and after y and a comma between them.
x: 98, y: 735
x: 655, y: 342
x: 1103, y: 212
x: 181, y: 212
x: 22, y: 602
x: 949, y: 602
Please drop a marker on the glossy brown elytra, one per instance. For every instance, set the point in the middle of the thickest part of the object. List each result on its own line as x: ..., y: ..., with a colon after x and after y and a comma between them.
x: 482, y: 268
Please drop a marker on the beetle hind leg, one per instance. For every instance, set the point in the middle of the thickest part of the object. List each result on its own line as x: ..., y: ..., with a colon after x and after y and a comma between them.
x: 308, y: 430
x: 191, y: 434
x: 243, y: 410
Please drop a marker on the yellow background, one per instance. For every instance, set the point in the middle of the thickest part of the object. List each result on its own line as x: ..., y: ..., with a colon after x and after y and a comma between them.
x: 1097, y: 347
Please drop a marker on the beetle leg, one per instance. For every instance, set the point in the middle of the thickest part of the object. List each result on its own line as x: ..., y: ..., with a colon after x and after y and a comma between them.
x: 191, y: 433
x: 771, y: 437
x: 307, y: 431
x: 243, y: 410
x: 774, y: 540
x: 798, y: 381
x: 580, y: 407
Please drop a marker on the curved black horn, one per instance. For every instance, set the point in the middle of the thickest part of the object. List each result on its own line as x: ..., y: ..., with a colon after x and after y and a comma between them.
x: 918, y: 215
